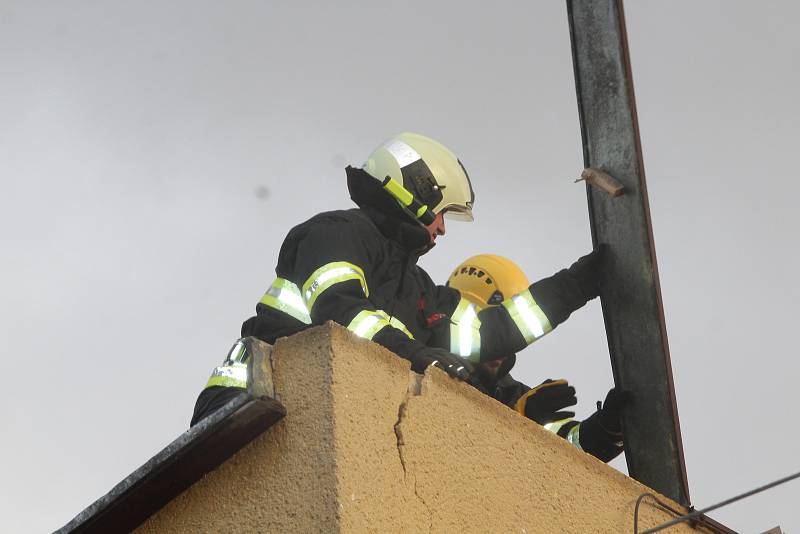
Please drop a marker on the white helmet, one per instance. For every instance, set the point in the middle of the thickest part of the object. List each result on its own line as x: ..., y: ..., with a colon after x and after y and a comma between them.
x: 426, y: 169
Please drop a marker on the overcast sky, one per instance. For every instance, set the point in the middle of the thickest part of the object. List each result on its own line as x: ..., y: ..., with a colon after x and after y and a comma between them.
x: 153, y: 156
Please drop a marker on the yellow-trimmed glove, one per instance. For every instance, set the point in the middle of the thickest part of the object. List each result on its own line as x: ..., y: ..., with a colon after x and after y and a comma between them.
x: 545, y: 403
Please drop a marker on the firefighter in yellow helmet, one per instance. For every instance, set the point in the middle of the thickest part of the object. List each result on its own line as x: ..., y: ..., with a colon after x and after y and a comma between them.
x: 489, y: 280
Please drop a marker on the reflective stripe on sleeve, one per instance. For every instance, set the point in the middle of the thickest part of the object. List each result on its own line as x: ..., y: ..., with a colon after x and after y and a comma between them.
x: 232, y: 375
x: 465, y: 331
x: 397, y: 323
x: 368, y: 323
x: 573, y: 436
x: 328, y: 275
x: 528, y: 316
x: 285, y: 296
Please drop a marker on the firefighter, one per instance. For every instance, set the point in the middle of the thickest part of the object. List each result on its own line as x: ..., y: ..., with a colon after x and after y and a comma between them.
x: 487, y: 280
x: 358, y: 267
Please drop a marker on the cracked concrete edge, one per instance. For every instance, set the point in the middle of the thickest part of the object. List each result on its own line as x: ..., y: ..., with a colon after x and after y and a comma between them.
x: 283, y: 481
x: 435, y: 385
x: 414, y: 390
x: 368, y: 446
x: 260, y: 369
x: 370, y: 386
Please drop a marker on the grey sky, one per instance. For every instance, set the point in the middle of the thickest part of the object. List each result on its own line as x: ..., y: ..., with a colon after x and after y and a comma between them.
x: 136, y: 140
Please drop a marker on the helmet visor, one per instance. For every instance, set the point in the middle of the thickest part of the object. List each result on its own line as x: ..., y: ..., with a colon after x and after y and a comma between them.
x: 458, y: 213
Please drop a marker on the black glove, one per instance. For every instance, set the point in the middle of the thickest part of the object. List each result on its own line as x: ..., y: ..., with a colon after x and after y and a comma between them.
x: 544, y: 402
x: 610, y: 413
x: 453, y: 365
x: 601, y: 433
x: 586, y: 270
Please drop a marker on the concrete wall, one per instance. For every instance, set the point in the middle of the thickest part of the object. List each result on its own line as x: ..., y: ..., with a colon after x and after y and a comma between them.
x: 368, y: 446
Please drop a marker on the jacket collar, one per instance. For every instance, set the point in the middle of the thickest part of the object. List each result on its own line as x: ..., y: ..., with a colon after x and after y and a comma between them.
x: 385, y: 213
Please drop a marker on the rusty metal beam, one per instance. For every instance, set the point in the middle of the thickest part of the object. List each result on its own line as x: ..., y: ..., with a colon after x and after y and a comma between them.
x: 630, y: 292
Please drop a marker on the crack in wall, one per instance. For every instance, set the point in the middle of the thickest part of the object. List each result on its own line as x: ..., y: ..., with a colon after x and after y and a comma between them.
x: 414, y: 390
x: 272, y: 372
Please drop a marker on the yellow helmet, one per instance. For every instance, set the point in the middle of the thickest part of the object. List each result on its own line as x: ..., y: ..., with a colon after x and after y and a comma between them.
x: 428, y: 170
x: 488, y: 279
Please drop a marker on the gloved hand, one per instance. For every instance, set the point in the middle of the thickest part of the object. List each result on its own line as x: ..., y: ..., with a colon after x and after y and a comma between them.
x: 544, y: 402
x: 601, y: 433
x: 610, y: 412
x: 586, y: 270
x: 453, y: 365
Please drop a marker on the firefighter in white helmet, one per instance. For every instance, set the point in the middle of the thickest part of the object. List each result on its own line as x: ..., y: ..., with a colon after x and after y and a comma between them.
x: 488, y: 280
x: 358, y: 267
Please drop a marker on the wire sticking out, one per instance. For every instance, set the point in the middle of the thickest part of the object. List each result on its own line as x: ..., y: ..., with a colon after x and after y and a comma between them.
x: 697, y: 513
x: 659, y: 505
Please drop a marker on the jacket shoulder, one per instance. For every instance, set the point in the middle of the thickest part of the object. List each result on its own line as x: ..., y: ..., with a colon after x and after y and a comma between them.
x: 338, y: 218
x: 345, y: 232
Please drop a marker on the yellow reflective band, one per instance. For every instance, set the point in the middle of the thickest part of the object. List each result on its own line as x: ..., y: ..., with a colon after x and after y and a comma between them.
x: 397, y: 323
x: 528, y: 316
x: 234, y: 375
x: 555, y: 426
x: 574, y: 437
x: 328, y: 275
x: 237, y: 354
x: 399, y: 192
x: 285, y: 296
x: 368, y: 323
x: 465, y: 331
x: 421, y: 211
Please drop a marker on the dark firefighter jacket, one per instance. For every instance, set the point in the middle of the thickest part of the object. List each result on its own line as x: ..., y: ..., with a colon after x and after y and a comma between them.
x: 359, y: 268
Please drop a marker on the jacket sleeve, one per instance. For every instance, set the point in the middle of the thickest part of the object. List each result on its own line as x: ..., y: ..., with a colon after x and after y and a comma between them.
x: 521, y: 319
x: 331, y: 268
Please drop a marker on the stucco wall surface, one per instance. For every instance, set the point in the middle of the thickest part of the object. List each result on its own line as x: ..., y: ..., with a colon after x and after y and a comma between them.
x: 368, y: 446
x: 285, y: 480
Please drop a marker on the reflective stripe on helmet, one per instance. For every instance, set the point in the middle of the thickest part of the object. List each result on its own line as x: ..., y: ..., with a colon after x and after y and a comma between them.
x: 368, y: 323
x: 412, y: 166
x: 328, y: 275
x: 528, y: 316
x: 402, y: 152
x: 285, y: 296
x: 573, y: 436
x: 230, y: 375
x: 465, y: 333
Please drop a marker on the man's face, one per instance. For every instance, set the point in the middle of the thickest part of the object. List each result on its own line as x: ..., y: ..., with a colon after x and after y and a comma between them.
x: 436, y: 228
